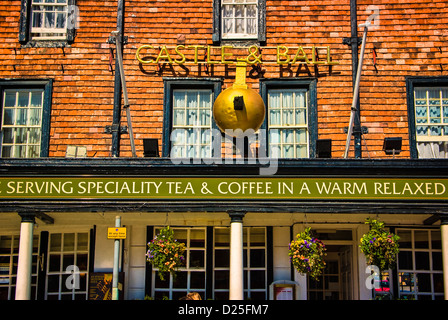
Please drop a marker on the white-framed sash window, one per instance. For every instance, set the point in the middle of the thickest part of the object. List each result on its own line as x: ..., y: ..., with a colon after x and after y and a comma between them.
x: 49, y: 19
x: 239, y: 19
x: 21, y: 123
x: 288, y: 126
x: 192, y: 123
x: 431, y: 121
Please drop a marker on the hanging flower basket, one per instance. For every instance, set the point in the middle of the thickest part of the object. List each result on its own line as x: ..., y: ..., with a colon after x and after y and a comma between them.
x: 307, y: 254
x: 165, y: 253
x: 379, y: 246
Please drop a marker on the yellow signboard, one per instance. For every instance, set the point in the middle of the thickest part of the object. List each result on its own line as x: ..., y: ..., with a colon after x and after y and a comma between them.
x: 116, y: 233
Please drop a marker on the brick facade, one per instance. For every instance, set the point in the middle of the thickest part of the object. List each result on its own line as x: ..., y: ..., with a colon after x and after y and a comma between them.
x: 410, y: 41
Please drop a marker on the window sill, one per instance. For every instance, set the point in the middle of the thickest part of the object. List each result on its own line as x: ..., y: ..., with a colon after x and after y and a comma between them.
x: 46, y: 44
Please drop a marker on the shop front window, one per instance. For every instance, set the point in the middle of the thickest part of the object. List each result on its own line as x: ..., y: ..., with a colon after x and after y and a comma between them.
x: 420, y: 274
x: 190, y: 277
x: 67, y: 266
x: 255, y: 269
x: 9, y: 256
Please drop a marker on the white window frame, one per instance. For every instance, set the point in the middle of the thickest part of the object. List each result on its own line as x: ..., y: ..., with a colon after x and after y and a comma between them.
x: 413, y: 272
x: 27, y: 126
x: 181, y: 147
x: 63, y: 291
x: 431, y: 146
x: 53, y: 33
x: 443, y: 120
x: 247, y: 247
x: 8, y: 271
x: 169, y: 291
x: 234, y: 3
x: 276, y: 129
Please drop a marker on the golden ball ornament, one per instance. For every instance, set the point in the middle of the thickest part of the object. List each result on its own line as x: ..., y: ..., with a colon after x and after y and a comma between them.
x: 239, y: 108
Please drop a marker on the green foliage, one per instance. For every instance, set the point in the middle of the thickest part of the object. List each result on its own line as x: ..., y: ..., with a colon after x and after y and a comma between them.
x: 379, y: 246
x: 165, y: 253
x: 307, y: 254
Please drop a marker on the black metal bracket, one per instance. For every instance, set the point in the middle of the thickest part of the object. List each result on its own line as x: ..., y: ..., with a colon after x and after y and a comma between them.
x: 349, y: 41
x: 115, y: 128
x: 364, y: 130
x: 112, y: 40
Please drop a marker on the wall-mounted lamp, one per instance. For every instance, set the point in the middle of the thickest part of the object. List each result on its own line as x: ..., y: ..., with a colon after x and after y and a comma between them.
x: 323, y: 148
x: 392, y: 146
x: 151, y: 148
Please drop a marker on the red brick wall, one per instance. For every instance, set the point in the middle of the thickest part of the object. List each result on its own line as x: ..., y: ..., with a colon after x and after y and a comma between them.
x: 410, y: 41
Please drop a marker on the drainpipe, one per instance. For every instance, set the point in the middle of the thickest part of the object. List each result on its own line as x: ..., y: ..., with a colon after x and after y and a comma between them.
x: 116, y: 116
x: 357, y: 134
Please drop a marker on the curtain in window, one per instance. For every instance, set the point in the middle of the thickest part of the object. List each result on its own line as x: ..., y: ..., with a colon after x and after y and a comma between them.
x: 432, y: 149
x: 191, y: 123
x: 288, y: 133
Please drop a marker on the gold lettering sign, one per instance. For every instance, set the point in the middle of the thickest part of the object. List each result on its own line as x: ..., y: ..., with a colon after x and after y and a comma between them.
x: 227, y: 54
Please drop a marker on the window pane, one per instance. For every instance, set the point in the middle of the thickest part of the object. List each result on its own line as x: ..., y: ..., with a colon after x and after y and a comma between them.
x: 83, y: 241
x: 424, y: 282
x: 197, y: 259
x: 8, y: 135
x: 405, y: 238
x: 436, y: 240
x: 55, y: 241
x: 7, y: 152
x: 8, y: 116
x: 257, y: 258
x: 257, y: 279
x: 10, y: 99
x: 53, y: 283
x: 222, y: 279
x: 82, y: 261
x: 197, y: 280
x: 49, y: 18
x: 422, y: 260
x: 180, y: 281
x: 257, y: 237
x: 405, y: 260
x: 23, y: 99
x: 69, y: 242
x: 197, y: 238
x: 222, y: 258
x: 54, y: 263
x: 421, y: 239
x: 36, y: 99
x: 21, y: 116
